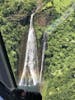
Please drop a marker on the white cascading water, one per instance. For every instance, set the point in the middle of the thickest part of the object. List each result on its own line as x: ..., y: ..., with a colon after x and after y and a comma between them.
x: 43, y: 55
x: 30, y: 75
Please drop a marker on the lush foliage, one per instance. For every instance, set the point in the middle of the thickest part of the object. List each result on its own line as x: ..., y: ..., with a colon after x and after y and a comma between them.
x: 59, y: 74
x: 59, y: 69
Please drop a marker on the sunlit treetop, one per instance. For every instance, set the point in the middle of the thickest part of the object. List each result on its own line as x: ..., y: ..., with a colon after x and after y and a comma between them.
x: 61, y: 5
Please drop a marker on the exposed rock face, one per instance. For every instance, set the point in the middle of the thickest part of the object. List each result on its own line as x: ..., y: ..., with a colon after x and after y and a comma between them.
x: 41, y: 19
x: 22, y: 50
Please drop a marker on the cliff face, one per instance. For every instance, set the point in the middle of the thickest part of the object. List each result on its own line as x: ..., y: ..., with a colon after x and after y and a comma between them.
x: 40, y: 20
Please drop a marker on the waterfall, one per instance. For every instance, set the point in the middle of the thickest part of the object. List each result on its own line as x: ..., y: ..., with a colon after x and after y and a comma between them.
x: 43, y: 54
x: 30, y: 74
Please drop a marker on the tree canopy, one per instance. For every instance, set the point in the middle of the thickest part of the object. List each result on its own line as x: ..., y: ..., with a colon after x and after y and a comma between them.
x: 59, y: 64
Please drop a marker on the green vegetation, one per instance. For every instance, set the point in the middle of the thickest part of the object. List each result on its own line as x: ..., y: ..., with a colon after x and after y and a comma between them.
x: 59, y: 69
x: 13, y: 27
x: 60, y: 64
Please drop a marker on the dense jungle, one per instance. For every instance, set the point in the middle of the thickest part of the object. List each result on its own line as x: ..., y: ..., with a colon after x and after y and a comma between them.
x: 55, y: 19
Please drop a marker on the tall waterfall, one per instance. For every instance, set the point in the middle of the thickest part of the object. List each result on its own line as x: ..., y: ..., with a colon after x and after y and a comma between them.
x: 30, y: 75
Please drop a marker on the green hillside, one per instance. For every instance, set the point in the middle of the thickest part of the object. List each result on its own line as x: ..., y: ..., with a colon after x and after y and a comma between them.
x: 59, y: 64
